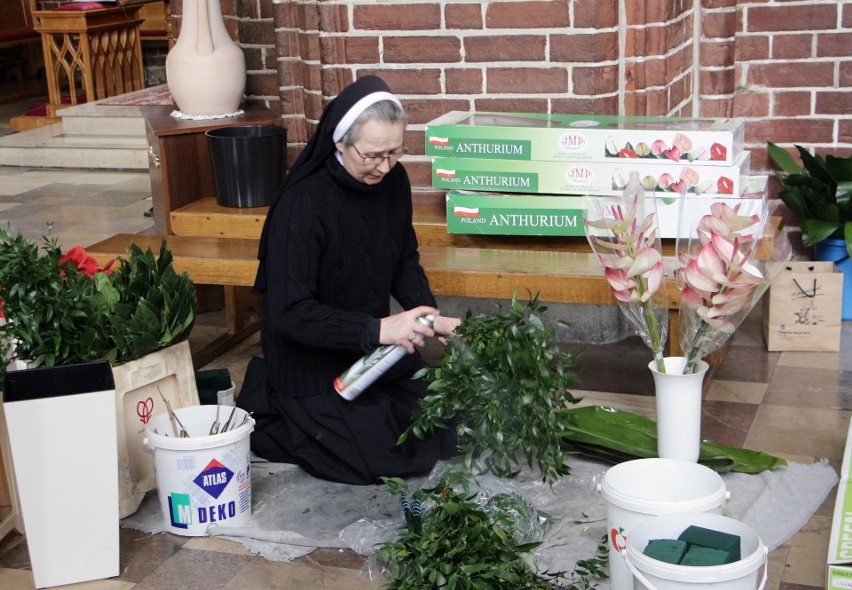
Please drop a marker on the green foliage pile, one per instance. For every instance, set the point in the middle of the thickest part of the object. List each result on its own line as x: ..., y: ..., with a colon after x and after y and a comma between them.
x: 52, y: 312
x: 458, y: 545
x: 154, y: 308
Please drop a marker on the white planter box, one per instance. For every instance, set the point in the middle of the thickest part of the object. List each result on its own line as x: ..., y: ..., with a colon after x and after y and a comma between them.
x: 61, y: 432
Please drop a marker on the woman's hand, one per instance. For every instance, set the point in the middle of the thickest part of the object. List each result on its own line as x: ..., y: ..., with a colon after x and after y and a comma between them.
x: 404, y: 329
x: 444, y: 326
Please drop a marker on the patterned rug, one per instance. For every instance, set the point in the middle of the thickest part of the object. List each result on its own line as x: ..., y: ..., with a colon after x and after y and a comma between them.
x: 155, y: 95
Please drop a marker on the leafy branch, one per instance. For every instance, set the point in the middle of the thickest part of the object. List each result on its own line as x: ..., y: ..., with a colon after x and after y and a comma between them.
x: 500, y: 384
x: 459, y: 545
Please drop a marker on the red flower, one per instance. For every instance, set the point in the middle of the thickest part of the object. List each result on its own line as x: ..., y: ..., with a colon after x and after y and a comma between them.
x: 85, y: 264
x: 725, y: 186
x: 673, y: 154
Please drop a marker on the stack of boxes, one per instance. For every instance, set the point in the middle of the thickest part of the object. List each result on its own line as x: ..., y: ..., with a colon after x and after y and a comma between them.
x: 528, y: 173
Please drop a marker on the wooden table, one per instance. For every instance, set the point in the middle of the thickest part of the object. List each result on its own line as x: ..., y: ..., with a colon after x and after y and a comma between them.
x: 100, y: 47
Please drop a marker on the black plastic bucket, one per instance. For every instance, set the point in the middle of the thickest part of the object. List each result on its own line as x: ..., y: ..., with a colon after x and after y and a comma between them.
x: 249, y: 163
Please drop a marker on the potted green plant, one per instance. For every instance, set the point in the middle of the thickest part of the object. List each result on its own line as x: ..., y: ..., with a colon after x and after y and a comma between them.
x: 819, y: 193
x: 64, y: 309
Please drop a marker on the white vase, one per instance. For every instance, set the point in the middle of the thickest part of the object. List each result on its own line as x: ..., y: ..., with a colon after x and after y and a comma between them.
x: 205, y: 70
x: 678, y: 409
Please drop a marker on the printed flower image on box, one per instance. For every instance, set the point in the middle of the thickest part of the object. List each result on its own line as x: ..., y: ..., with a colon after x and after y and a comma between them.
x: 681, y: 148
x: 687, y: 180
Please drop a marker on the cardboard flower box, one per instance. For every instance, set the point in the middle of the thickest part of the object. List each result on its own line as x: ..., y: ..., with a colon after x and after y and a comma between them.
x: 585, y: 138
x: 504, y: 214
x: 493, y: 213
x: 591, y: 178
x: 839, y: 562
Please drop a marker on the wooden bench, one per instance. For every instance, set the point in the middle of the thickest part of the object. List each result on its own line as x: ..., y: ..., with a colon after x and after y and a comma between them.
x: 16, y: 24
x: 217, y: 245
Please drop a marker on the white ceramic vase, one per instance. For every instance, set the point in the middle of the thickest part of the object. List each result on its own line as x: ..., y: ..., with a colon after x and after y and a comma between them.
x: 678, y: 409
x: 205, y: 70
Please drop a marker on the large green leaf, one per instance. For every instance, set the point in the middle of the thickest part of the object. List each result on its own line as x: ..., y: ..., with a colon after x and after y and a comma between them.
x: 839, y: 168
x: 815, y: 165
x: 783, y: 159
x: 616, y: 435
x: 815, y: 231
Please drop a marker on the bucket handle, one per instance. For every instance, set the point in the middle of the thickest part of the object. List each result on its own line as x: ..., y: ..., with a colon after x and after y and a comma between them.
x: 637, y: 574
x: 146, y: 445
x: 645, y: 582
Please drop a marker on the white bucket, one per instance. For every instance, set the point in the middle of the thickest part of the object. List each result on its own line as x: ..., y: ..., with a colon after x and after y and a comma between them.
x: 203, y: 479
x: 640, y: 489
x: 658, y: 575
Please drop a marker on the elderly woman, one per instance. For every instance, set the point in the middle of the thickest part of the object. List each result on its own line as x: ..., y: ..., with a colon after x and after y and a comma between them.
x: 337, y: 245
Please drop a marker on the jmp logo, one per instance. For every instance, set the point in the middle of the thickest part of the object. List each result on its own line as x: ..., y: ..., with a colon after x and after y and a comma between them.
x: 180, y: 513
x: 578, y: 174
x: 214, y: 478
x: 572, y: 142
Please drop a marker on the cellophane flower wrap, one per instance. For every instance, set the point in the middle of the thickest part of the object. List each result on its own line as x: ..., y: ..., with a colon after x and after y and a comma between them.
x: 624, y: 235
x: 726, y: 261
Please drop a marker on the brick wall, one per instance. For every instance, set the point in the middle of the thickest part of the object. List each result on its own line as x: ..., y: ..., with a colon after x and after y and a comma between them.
x: 785, y: 66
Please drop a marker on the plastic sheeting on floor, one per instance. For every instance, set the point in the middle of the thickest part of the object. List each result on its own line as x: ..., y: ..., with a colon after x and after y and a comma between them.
x: 294, y: 513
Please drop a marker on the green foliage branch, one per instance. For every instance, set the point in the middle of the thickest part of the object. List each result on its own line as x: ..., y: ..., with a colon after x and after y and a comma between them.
x: 500, y: 384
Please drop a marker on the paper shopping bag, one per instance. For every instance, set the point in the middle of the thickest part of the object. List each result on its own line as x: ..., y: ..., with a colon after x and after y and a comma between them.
x: 803, y: 310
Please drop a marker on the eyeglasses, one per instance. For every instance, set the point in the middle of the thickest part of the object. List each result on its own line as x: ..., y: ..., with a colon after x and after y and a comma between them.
x: 376, y: 159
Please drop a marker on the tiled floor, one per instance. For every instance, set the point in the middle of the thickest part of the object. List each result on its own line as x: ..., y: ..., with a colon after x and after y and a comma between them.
x: 796, y: 405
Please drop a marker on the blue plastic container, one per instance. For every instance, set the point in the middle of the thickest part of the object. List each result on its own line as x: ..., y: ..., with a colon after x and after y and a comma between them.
x: 834, y: 250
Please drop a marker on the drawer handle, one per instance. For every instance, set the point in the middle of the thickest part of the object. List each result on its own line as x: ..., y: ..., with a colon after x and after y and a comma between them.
x: 152, y: 155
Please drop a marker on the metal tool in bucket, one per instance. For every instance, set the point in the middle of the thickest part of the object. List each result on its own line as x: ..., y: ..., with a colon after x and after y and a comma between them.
x: 640, y: 489
x: 204, y: 476
x: 659, y: 575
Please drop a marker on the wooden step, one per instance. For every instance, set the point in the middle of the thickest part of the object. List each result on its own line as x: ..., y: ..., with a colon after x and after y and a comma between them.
x: 208, y: 261
x: 206, y: 218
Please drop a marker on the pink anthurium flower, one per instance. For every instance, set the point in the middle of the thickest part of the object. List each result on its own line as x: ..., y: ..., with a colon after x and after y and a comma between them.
x: 631, y: 256
x: 682, y: 143
x: 719, y: 283
x: 658, y: 147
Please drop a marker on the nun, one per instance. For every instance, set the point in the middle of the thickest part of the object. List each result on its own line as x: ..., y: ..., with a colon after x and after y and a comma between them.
x: 337, y: 245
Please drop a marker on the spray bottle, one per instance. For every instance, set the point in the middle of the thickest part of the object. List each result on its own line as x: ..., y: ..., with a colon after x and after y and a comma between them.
x: 368, y: 368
